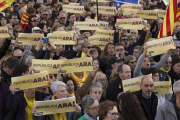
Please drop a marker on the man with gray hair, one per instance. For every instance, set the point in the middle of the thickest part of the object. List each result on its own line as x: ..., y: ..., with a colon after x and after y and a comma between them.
x: 170, y: 110
x: 147, y: 97
x: 96, y: 91
x: 90, y: 106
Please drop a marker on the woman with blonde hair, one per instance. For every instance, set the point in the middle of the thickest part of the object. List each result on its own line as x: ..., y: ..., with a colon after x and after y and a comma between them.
x: 57, y: 27
x: 131, y: 61
x: 114, y: 74
x: 108, y: 51
x: 102, y: 79
x: 17, y: 29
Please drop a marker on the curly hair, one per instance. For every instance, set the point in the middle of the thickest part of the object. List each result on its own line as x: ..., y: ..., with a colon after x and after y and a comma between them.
x: 104, y: 54
x: 131, y: 107
x: 66, y: 79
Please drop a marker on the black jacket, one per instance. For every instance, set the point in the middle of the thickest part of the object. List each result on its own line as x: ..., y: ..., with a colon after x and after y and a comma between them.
x: 174, y: 77
x: 4, y: 47
x: 114, y: 89
x: 154, y: 102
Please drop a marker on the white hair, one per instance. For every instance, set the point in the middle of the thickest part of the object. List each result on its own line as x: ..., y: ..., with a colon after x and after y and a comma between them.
x: 56, y: 84
x: 28, y: 58
x: 176, y: 86
x: 40, y: 1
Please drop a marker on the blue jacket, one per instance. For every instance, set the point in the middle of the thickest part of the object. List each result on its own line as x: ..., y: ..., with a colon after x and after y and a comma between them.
x: 18, y: 103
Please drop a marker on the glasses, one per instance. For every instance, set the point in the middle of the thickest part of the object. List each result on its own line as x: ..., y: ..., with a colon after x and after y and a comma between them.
x: 132, y: 39
x: 178, y: 47
x: 100, y: 93
x: 62, y: 18
x: 65, y: 3
x: 15, y: 18
x: 18, y: 31
x: 168, y: 62
x: 132, y: 62
x: 118, y: 50
x: 89, y: 47
x: 20, y: 3
x: 94, y: 108
x: 45, y: 14
x: 101, y: 80
x: 18, y: 57
x: 12, y: 44
x: 10, y: 29
x: 114, y: 113
x: 37, y: 31
x: 133, y: 33
x: 124, y: 39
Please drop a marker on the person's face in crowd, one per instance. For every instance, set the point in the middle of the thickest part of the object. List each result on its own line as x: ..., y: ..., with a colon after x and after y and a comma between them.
x: 110, y: 27
x: 70, y: 86
x: 176, y: 68
x: 25, y: 73
x: 73, y: 1
x: 18, y: 55
x: 59, y: 48
x: 104, y: 17
x: 120, y: 51
x: 61, y: 92
x: 30, y: 93
x: 39, y: 2
x: 88, y: 48
x: 72, y: 19
x: 150, y: 21
x: 134, y: 32
x: 125, y: 41
x: 28, y: 47
x: 132, y: 63
x: 44, y: 29
x: 48, y: 7
x: 38, y: 17
x: 96, y: 65
x: 79, y: 44
x: 43, y: 21
x: 126, y: 74
x: 93, y: 109
x: 21, y: 12
x: 3, y: 21
x: 15, y: 7
x: 34, y: 21
x: 30, y: 4
x: 62, y: 18
x: 155, y: 77
x: 65, y: 2
x: 46, y: 14
x: 110, y: 50
x: 132, y: 16
x: 111, y: 18
x: 56, y: 20
x: 112, y: 114
x: 60, y: 29
x: 136, y: 53
x: 96, y: 93
x: 177, y: 50
x: 12, y: 45
x: 49, y: 1
x: 21, y: 47
x: 43, y: 89
x: 29, y: 62
x: 167, y: 65
x: 147, y: 86
x: 14, y: 20
x: 116, y: 64
x: 102, y: 80
x: 21, y: 3
x: 132, y: 40
x: 146, y: 5
x: 78, y: 15
x: 159, y: 22
x: 146, y: 63
x: 17, y: 31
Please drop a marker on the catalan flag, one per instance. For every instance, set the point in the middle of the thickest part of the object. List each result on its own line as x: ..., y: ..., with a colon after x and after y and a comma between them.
x: 4, y: 4
x: 24, y: 20
x: 171, y: 19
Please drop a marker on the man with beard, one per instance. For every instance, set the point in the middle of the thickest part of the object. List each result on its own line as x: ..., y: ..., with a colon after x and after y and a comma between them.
x: 147, y: 97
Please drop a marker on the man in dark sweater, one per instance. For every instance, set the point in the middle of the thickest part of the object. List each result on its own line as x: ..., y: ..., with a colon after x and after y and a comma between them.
x: 147, y: 98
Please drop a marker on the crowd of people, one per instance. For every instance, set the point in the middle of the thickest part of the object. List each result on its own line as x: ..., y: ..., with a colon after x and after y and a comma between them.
x: 99, y: 93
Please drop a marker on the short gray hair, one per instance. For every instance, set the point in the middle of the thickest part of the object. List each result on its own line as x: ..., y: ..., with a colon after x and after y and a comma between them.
x: 176, y: 86
x: 40, y: 1
x: 96, y: 84
x: 55, y: 85
x: 87, y: 101
x: 26, y: 51
x: 8, y: 24
x: 27, y: 59
x: 83, y: 45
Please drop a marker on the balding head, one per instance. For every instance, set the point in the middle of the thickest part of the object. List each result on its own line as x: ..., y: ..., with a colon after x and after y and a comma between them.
x: 124, y: 72
x: 18, y: 54
x: 147, y: 86
x: 21, y: 12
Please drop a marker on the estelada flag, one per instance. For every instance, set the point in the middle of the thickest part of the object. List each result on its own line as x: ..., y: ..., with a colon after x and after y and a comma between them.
x: 4, y: 4
x: 171, y: 19
x: 24, y: 21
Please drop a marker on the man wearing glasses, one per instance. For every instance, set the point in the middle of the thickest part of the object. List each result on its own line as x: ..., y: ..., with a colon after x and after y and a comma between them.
x: 18, y: 54
x: 13, y: 19
x: 62, y: 18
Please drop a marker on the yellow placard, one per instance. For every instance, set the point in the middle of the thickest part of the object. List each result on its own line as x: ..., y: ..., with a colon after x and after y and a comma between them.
x: 162, y: 87
x: 29, y: 38
x: 105, y: 10
x: 4, y: 32
x: 67, y: 66
x: 129, y: 9
x: 86, y: 25
x: 133, y: 84
x: 75, y: 4
x: 147, y: 14
x: 100, y: 1
x: 104, y: 32
x: 73, y: 9
x: 160, y: 46
x: 90, y: 20
x: 62, y: 38
x: 131, y: 23
x: 161, y: 13
x: 100, y: 39
x: 74, y: 32
x: 103, y: 24
x: 30, y: 81
x: 55, y: 106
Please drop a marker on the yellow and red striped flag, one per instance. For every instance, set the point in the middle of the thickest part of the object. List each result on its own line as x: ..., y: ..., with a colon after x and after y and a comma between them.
x: 171, y: 19
x: 4, y: 4
x: 24, y: 21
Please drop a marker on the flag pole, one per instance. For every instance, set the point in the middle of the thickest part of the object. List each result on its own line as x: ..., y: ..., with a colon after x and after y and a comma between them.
x: 97, y: 10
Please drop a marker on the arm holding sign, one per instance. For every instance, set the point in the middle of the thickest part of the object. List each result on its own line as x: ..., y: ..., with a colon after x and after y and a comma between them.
x: 116, y: 33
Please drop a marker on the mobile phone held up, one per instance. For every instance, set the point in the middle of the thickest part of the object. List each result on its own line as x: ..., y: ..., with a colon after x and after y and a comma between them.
x: 45, y: 40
